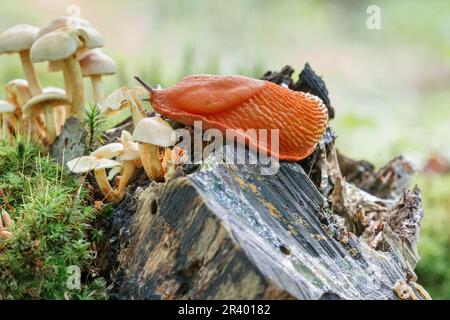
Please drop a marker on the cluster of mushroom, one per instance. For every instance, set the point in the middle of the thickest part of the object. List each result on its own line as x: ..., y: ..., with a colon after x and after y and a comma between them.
x: 151, y: 146
x: 70, y: 45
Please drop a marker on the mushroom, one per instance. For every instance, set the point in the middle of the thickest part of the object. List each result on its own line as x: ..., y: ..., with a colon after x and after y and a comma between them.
x: 123, y: 98
x: 87, y: 163
x: 57, y: 66
x: 99, y: 160
x: 44, y: 103
x: 172, y: 158
x: 59, y: 112
x: 19, y: 39
x: 6, y: 224
x: 128, y: 158
x: 62, y: 45
x: 62, y: 22
x: 18, y: 93
x: 152, y: 133
x: 95, y: 65
x: 8, y: 114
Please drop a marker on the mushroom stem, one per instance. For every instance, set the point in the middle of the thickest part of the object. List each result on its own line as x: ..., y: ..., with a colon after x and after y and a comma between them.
x: 50, y: 124
x: 127, y: 173
x: 60, y: 118
x: 150, y: 161
x: 73, y: 69
x: 30, y: 73
x: 97, y: 89
x: 34, y: 129
x: 67, y: 82
x: 103, y: 184
x: 137, y: 112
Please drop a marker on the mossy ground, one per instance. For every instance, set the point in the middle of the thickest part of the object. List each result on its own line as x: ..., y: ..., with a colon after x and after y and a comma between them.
x: 52, y: 228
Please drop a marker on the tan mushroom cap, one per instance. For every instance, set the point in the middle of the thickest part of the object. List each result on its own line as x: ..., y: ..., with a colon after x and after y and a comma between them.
x: 88, y: 163
x: 154, y: 131
x: 6, y: 107
x: 18, y: 92
x: 63, y: 43
x: 17, y: 83
x: 116, y: 102
x: 97, y: 63
x: 17, y: 38
x: 62, y: 22
x: 38, y: 103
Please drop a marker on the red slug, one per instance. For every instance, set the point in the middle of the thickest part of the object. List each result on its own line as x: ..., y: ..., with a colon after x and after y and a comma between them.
x: 237, y: 102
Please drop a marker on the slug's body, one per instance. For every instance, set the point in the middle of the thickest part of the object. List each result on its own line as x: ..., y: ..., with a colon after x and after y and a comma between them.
x: 236, y: 102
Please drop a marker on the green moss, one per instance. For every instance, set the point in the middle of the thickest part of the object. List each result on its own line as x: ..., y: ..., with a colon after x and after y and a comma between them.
x: 434, y: 244
x: 52, y: 229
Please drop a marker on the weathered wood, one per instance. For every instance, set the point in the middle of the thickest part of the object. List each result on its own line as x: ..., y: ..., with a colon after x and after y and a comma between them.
x: 71, y: 142
x: 228, y: 232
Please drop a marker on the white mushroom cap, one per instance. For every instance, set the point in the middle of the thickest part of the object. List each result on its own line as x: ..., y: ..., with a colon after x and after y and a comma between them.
x: 38, y: 103
x: 6, y: 107
x: 97, y: 63
x: 53, y: 90
x: 62, y: 43
x: 56, y: 45
x: 62, y: 22
x: 154, y: 131
x: 88, y: 163
x: 131, y: 148
x: 17, y: 38
x: 108, y: 151
x: 91, y: 37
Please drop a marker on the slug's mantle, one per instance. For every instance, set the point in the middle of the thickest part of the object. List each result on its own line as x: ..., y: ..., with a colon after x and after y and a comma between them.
x: 240, y: 103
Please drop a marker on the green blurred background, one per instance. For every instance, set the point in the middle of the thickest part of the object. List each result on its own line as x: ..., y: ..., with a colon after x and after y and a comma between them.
x: 390, y: 87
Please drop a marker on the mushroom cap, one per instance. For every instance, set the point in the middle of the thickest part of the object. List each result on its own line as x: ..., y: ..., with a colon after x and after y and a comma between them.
x: 39, y: 103
x: 108, y: 151
x: 18, y: 92
x: 56, y: 45
x: 154, y: 131
x: 62, y: 22
x: 88, y: 163
x: 6, y: 107
x: 91, y: 37
x: 97, y: 63
x: 130, y: 152
x: 17, y: 38
x: 116, y: 101
x: 63, y: 43
x: 131, y: 148
x: 53, y: 90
